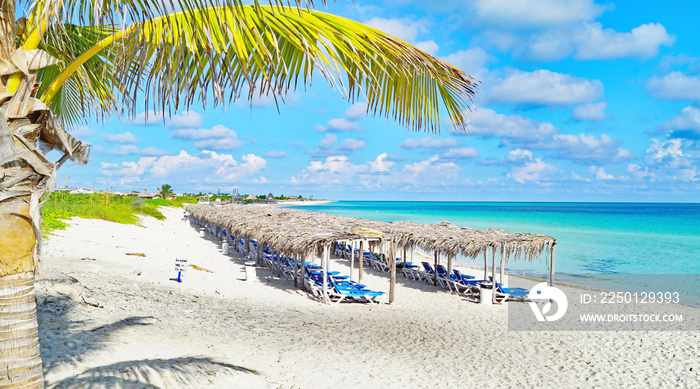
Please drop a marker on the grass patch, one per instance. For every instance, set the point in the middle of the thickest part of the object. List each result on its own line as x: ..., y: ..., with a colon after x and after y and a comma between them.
x: 115, y: 208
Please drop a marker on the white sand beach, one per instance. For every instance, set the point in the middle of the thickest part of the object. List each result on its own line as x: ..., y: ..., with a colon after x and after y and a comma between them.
x: 113, y: 320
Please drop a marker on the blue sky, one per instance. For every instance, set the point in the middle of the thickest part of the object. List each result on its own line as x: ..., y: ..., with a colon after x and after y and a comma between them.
x: 581, y: 101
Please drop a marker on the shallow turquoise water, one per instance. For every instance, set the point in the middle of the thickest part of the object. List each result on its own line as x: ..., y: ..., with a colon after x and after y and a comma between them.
x: 592, y: 238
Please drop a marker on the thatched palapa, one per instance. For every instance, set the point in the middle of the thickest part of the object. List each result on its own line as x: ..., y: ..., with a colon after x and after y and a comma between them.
x: 304, y: 232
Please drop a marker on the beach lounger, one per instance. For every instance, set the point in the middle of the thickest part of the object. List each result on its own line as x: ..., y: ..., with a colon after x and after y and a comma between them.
x: 428, y: 272
x: 458, y: 281
x: 411, y: 271
x: 357, y: 294
x: 507, y: 293
x: 445, y: 279
x: 472, y: 285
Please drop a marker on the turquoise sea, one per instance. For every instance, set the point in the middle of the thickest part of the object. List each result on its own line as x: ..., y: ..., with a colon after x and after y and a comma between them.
x: 592, y: 238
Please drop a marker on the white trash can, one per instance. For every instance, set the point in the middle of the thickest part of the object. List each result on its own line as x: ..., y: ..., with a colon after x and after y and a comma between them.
x: 250, y: 270
x: 201, y: 232
x: 486, y: 293
x: 224, y: 247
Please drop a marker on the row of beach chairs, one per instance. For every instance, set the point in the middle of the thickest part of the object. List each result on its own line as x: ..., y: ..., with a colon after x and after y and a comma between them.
x: 456, y: 281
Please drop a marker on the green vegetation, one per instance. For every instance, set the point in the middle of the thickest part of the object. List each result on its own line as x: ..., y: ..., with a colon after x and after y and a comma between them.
x: 115, y: 208
x: 165, y: 191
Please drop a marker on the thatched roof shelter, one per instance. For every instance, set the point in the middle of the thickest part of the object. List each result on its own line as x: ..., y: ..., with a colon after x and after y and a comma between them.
x: 304, y: 232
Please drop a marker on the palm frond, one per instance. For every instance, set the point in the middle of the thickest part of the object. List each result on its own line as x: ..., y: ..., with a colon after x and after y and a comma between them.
x: 226, y: 52
x: 91, y: 87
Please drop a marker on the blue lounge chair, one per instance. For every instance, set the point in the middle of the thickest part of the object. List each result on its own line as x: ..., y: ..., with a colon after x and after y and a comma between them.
x: 507, y: 293
x: 428, y: 272
x: 444, y: 278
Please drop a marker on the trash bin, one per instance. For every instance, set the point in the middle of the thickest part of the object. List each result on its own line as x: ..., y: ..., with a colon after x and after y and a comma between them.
x: 250, y: 270
x: 486, y: 293
x: 201, y: 232
x: 224, y: 247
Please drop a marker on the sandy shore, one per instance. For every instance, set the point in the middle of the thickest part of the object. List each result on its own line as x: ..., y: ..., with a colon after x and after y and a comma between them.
x: 112, y: 320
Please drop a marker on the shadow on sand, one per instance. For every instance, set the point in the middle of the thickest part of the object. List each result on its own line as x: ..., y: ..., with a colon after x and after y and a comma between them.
x: 65, y: 343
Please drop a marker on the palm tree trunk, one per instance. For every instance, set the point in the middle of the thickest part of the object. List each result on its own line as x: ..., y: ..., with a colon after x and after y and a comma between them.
x: 20, y: 361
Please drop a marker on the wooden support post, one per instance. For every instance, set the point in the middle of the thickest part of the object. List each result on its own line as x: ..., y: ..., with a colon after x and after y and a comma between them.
x: 392, y: 285
x: 296, y: 270
x: 324, y: 264
x: 450, y: 258
x: 403, y: 257
x: 503, y: 263
x: 352, y: 259
x: 302, y: 271
x: 551, y: 265
x: 493, y: 275
x: 259, y: 258
x: 437, y: 255
x: 486, y: 264
x: 363, y: 244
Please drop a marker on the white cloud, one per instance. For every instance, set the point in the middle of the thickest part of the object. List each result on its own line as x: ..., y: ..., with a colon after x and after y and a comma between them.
x: 328, y: 141
x: 689, y: 119
x: 543, y: 87
x: 336, y: 164
x: 471, y: 61
x: 637, y: 173
x: 590, y: 111
x: 206, y: 168
x: 219, y: 144
x: 148, y: 118
x: 356, y: 111
x: 461, y: 153
x: 429, y: 143
x: 429, y: 47
x: 431, y: 169
x: 185, y: 119
x: 600, y: 173
x: 675, y: 86
x: 380, y: 173
x: 594, y: 42
x: 538, y: 13
x: 127, y: 168
x: 209, y: 164
x: 532, y: 171
x: 123, y: 138
x: 339, y: 125
x: 407, y: 30
x: 519, y: 155
x: 81, y: 132
x: 381, y: 164
x: 520, y: 132
x: 686, y: 125
x: 588, y: 147
x: 489, y: 123
x: 276, y: 154
x: 352, y: 144
x: 133, y: 150
x: 668, y: 160
x: 219, y: 131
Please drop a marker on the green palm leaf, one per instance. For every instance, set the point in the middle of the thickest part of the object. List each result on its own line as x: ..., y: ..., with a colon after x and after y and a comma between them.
x: 226, y: 52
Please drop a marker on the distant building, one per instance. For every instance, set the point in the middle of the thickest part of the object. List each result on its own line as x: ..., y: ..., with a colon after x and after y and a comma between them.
x: 74, y: 190
x: 146, y: 194
x: 270, y: 196
x: 251, y: 197
x: 237, y: 197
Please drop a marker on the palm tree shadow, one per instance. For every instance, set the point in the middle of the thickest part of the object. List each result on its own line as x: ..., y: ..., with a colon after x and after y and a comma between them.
x: 152, y: 373
x: 66, y: 342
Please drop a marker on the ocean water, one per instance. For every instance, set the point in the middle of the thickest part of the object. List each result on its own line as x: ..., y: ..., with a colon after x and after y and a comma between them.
x: 592, y: 238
